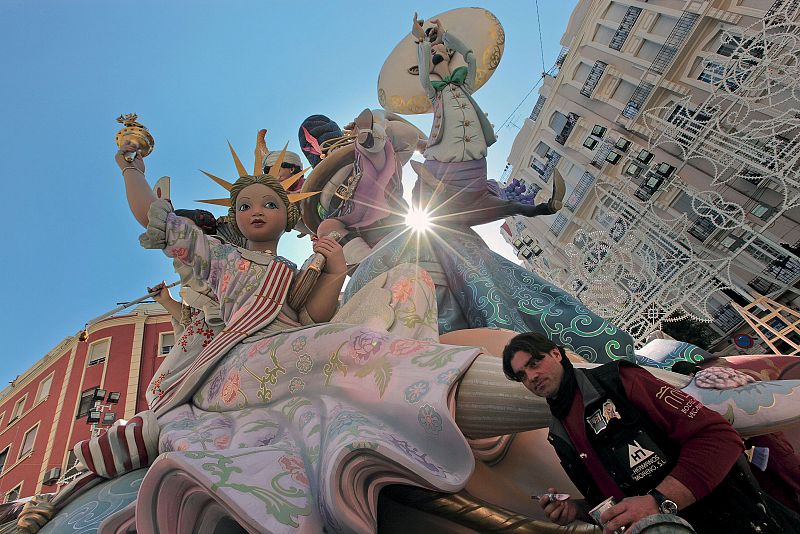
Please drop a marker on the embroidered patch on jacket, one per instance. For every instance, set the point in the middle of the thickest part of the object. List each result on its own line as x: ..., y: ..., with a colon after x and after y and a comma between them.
x: 610, y: 411
x: 597, y: 422
x: 641, y: 457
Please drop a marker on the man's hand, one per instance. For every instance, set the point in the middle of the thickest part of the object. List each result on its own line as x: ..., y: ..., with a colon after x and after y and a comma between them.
x: 334, y: 256
x: 627, y: 512
x: 559, y: 512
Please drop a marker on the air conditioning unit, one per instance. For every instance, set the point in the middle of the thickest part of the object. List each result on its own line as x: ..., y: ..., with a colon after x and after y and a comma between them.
x: 52, y: 475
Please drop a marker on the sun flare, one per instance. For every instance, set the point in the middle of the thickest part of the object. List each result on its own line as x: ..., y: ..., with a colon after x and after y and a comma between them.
x: 418, y: 220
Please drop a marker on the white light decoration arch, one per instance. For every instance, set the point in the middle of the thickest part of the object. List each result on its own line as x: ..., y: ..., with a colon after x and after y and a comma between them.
x: 650, y: 267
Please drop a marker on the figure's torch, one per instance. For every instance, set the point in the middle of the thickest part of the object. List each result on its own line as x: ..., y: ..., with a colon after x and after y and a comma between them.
x: 137, y: 134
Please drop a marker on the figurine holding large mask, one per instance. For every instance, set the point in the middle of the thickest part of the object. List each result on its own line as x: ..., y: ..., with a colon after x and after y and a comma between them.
x: 455, y: 54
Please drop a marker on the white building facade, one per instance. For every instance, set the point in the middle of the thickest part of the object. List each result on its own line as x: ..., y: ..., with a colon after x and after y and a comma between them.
x: 675, y: 125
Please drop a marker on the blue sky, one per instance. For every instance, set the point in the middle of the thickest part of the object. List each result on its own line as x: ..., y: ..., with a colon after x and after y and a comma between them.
x: 197, y: 73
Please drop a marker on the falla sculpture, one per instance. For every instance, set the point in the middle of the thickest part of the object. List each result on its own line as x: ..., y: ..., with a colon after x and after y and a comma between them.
x: 307, y: 415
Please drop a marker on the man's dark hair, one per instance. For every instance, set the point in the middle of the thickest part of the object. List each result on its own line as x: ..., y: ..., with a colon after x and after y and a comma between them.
x: 530, y: 342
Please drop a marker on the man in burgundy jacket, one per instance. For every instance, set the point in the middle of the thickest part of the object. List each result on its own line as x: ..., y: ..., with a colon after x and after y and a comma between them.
x: 620, y: 432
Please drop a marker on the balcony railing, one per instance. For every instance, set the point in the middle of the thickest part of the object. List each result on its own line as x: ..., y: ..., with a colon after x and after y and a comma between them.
x: 538, y: 108
x: 779, y: 4
x: 621, y: 35
x: 558, y: 225
x: 785, y: 270
x: 674, y: 41
x: 562, y: 137
x: 593, y: 78
x: 662, y: 61
x: 562, y: 56
x: 579, y: 193
x: 545, y: 172
x: 603, y: 151
x: 726, y: 318
x: 637, y: 99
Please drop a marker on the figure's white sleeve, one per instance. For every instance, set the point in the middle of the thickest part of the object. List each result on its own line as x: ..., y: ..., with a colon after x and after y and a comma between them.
x: 424, y: 62
x: 181, y: 239
x: 454, y: 43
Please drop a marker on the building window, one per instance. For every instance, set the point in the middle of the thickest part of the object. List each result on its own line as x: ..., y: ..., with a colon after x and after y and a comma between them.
x: 713, y: 73
x: 44, y: 388
x: 18, y: 408
x: 28, y: 441
x: 98, y: 352
x: 702, y: 229
x: 716, y: 74
x: 166, y: 342
x: 72, y: 467
x: 750, y: 50
x: 729, y: 242
x: 729, y: 45
x: 3, y: 457
x: 14, y: 494
x: 87, y: 398
x: 761, y: 211
x: 690, y: 124
x: 568, y: 124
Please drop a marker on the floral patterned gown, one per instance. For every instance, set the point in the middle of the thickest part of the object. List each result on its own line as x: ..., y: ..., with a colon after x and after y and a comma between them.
x: 297, y: 428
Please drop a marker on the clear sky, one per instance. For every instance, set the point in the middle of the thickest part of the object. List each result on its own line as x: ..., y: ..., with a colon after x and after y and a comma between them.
x: 198, y: 73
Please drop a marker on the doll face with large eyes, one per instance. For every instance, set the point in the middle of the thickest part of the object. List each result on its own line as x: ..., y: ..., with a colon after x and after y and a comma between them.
x: 260, y: 213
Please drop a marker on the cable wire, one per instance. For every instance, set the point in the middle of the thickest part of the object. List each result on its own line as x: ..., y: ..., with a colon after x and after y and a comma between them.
x: 539, y: 23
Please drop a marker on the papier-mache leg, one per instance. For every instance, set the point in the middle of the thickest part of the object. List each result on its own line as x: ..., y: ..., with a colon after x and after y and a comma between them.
x: 126, y: 446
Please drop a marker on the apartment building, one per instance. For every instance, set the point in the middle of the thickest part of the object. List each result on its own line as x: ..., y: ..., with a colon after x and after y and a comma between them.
x: 675, y: 125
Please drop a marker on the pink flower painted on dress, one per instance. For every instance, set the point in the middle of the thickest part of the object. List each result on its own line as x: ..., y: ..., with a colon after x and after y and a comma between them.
x: 242, y: 265
x: 402, y: 289
x: 255, y: 348
x: 181, y: 253
x: 230, y: 389
x: 364, y: 344
x: 226, y: 280
x: 404, y: 347
x: 181, y: 445
x: 426, y: 278
x: 294, y: 466
x: 222, y: 442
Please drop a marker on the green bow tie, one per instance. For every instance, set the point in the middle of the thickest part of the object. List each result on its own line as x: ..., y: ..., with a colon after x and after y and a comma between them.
x: 457, y: 77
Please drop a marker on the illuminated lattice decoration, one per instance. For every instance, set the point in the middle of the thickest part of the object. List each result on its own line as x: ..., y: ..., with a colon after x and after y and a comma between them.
x: 748, y: 127
x: 644, y: 269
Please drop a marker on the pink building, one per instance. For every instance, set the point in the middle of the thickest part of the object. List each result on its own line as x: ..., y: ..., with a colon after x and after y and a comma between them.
x: 43, y: 413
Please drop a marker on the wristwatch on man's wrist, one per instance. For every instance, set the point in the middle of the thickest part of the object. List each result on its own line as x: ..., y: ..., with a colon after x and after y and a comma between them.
x: 665, y: 506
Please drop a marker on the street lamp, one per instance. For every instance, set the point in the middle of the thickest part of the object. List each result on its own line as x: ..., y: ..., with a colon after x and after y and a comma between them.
x: 100, y: 415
